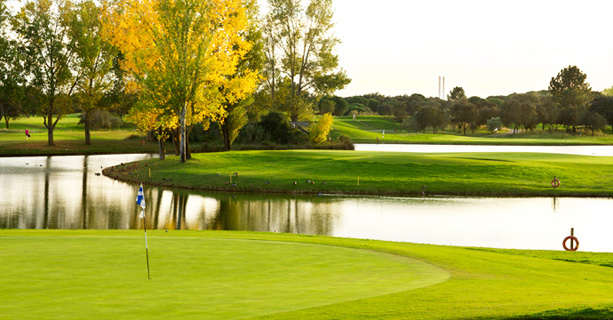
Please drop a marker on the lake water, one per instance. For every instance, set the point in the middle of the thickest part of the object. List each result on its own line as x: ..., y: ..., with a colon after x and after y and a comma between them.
x: 66, y: 192
x: 445, y: 148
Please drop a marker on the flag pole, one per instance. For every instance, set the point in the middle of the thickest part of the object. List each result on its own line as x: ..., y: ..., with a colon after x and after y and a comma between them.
x: 146, y: 244
x: 140, y: 200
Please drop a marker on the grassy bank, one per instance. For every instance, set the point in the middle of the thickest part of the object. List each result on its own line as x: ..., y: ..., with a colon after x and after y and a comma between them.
x: 475, y: 174
x: 225, y: 275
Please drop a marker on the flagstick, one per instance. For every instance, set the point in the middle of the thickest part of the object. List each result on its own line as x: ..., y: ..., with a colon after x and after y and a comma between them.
x: 146, y: 244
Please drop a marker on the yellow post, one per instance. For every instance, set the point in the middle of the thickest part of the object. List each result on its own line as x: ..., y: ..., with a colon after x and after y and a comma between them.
x: 230, y: 178
x: 149, y: 173
x: 358, y: 180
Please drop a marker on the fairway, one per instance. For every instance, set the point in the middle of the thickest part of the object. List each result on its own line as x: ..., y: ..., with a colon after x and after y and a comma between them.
x: 102, y: 275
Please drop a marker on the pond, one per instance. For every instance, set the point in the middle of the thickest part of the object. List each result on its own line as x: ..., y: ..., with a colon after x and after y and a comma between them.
x: 68, y: 192
x: 444, y: 148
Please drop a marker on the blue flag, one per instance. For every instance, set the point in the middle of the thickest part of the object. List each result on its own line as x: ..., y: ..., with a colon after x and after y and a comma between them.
x: 140, y: 200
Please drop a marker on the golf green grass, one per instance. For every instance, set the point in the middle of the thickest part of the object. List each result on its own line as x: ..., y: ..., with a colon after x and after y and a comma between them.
x: 85, y: 274
x: 467, y: 174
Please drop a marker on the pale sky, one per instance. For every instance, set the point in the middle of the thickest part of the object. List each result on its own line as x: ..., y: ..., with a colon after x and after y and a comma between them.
x: 493, y: 47
x: 487, y: 47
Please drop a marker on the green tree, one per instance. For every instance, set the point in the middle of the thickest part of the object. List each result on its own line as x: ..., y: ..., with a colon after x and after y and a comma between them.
x: 604, y: 106
x: 12, y: 80
x: 43, y: 31
x: 547, y: 111
x: 464, y: 113
x: 493, y: 124
x: 608, y: 92
x: 300, y: 48
x: 457, y: 94
x: 94, y: 61
x: 520, y: 110
x: 326, y: 105
x: 430, y: 116
x: 572, y: 93
x: 340, y: 106
x: 594, y: 121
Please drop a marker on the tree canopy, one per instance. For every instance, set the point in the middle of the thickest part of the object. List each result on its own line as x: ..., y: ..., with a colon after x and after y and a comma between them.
x: 179, y: 54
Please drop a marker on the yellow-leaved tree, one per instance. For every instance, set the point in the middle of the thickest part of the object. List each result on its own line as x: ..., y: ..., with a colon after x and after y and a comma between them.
x: 178, y: 54
x: 319, y: 130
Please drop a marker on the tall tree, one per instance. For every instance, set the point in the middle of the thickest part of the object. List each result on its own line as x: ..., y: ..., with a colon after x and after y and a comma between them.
x: 300, y: 46
x: 464, y: 113
x: 456, y: 94
x: 43, y: 31
x: 12, y: 80
x: 179, y: 53
x: 520, y: 110
x: 603, y: 105
x: 249, y: 67
x: 94, y: 60
x: 572, y: 93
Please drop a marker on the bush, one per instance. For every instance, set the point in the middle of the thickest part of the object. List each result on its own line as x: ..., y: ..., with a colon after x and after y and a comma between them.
x: 346, y: 142
x: 102, y: 120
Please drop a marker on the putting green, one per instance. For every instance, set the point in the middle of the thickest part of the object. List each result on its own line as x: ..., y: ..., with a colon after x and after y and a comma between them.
x: 102, y: 277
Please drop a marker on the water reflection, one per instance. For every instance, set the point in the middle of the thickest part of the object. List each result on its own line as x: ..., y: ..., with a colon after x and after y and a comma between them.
x: 69, y: 193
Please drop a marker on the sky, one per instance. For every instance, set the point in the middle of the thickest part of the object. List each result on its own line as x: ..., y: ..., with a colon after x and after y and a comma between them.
x: 487, y: 47
x: 495, y: 47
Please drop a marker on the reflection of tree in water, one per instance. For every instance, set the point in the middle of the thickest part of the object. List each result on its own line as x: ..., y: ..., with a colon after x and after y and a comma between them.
x: 304, y: 215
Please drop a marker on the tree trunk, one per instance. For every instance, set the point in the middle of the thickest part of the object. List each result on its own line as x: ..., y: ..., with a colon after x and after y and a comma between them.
x: 182, y: 138
x: 6, y: 121
x: 88, y: 139
x: 161, y: 144
x: 175, y: 140
x: 226, y: 137
x: 188, y: 151
x: 50, y: 128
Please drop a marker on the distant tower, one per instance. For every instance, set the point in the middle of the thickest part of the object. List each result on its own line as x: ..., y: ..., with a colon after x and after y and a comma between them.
x: 444, y: 89
x: 439, y: 87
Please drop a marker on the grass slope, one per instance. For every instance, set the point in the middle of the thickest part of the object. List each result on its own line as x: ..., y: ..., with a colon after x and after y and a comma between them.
x: 480, y: 174
x: 366, y: 129
x: 213, y: 274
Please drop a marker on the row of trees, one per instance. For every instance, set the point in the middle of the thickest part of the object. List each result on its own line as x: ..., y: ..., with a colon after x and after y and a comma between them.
x: 569, y: 102
x: 172, y: 63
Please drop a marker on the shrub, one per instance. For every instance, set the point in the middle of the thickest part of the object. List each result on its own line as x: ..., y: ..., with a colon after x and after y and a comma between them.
x: 102, y: 120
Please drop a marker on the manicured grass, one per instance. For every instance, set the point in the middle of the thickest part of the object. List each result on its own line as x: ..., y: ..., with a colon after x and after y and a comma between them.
x: 476, y: 174
x: 69, y: 138
x: 366, y: 129
x: 47, y: 274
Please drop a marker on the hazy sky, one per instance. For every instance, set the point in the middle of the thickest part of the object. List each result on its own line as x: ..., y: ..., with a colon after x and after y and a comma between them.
x: 493, y: 47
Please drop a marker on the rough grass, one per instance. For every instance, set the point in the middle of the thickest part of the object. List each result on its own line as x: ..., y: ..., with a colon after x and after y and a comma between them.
x: 474, y: 174
x: 217, y: 274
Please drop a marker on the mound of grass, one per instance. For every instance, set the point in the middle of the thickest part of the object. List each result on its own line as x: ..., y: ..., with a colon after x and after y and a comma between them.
x: 48, y: 274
